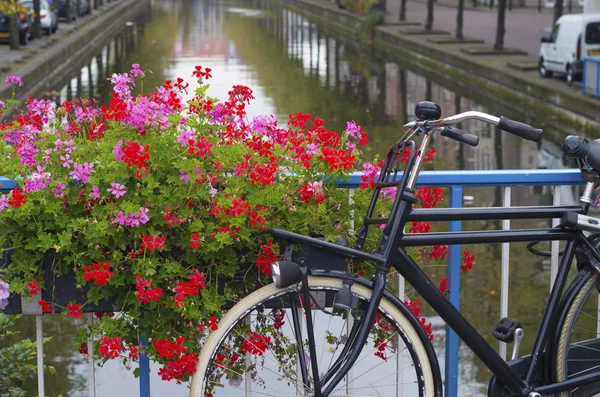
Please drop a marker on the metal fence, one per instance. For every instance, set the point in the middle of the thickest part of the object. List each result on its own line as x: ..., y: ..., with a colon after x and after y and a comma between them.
x: 591, y: 76
x: 456, y: 181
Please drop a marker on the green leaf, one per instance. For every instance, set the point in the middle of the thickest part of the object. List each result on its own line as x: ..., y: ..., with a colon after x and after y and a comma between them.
x: 64, y: 238
x: 45, y: 241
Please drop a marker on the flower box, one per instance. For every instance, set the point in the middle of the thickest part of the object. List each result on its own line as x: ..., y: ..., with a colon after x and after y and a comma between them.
x: 62, y: 289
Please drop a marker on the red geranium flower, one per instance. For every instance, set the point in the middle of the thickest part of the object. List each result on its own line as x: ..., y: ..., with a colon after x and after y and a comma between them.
x: 44, y: 305
x: 144, y: 293
x: 99, y: 272
x: 110, y: 348
x: 33, y: 288
x: 153, y: 242
x: 17, y: 199
x: 74, y: 310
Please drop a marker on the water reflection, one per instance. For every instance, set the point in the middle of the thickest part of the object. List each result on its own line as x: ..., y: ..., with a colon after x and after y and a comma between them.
x: 294, y: 65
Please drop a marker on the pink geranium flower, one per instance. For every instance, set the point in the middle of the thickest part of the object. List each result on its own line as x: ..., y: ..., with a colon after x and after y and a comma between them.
x: 14, y: 80
x: 117, y: 189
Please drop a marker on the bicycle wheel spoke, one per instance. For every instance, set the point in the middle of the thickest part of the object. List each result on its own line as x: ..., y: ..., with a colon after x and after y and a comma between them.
x: 344, y: 324
x: 253, y: 391
x: 586, y: 329
x: 366, y: 372
x: 274, y: 360
x: 379, y: 380
x: 291, y: 380
x: 270, y: 354
x: 589, y: 315
x: 325, y: 344
x: 388, y: 385
x: 297, y: 330
x: 373, y: 352
x: 584, y: 347
x: 267, y: 387
x: 585, y: 370
x: 374, y: 388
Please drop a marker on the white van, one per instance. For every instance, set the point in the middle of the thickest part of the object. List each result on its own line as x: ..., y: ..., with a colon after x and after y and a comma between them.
x: 574, y: 37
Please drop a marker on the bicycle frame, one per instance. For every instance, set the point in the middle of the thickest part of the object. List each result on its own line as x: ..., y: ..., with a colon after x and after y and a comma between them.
x: 391, y: 252
x: 413, y: 274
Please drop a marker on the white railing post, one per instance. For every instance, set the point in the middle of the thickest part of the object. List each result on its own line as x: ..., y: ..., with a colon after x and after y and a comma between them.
x: 91, y: 368
x: 505, y: 270
x: 39, y: 331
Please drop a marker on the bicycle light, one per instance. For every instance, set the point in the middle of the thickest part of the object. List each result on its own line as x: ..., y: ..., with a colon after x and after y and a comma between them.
x: 285, y: 273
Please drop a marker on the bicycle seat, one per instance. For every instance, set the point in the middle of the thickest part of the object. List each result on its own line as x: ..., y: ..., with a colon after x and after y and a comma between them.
x: 584, y: 149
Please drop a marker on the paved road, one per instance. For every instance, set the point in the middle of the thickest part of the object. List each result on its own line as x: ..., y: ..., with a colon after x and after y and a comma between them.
x: 523, y: 26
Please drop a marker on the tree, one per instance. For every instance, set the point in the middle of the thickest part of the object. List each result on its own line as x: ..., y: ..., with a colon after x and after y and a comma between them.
x: 459, y: 19
x: 403, y: 10
x: 14, y: 32
x: 18, y: 360
x: 37, y: 22
x: 558, y: 9
x: 12, y: 8
x: 429, y: 21
x: 68, y: 11
x: 499, y: 45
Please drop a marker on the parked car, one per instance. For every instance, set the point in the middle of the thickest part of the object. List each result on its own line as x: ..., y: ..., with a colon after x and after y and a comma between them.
x: 48, y: 18
x: 84, y: 8
x: 23, y: 24
x: 573, y: 37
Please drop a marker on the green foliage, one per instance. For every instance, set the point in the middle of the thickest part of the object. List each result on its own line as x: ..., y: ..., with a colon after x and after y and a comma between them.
x: 210, y: 186
x: 12, y: 7
x: 371, y: 20
x: 17, y: 362
x: 362, y: 7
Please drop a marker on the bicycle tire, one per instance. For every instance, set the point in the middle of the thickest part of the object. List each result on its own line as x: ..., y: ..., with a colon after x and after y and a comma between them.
x: 572, y: 335
x: 411, y: 337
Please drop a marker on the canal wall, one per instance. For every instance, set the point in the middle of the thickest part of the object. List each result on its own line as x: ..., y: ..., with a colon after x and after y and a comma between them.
x: 73, y: 50
x: 547, y: 100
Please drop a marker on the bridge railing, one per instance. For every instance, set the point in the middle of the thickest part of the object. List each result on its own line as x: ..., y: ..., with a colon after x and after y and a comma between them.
x: 591, y: 76
x: 456, y: 181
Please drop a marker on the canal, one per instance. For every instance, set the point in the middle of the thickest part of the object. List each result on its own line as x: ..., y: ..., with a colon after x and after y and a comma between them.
x: 294, y: 65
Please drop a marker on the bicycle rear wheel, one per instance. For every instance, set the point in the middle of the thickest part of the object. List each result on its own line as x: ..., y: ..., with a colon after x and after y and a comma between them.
x: 578, y: 348
x: 254, y: 352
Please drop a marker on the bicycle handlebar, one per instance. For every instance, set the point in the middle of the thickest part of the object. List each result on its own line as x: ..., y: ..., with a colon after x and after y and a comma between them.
x: 522, y: 130
x: 460, y: 136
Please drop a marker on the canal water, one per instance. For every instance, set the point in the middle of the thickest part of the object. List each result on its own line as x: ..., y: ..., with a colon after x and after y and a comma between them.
x: 294, y: 65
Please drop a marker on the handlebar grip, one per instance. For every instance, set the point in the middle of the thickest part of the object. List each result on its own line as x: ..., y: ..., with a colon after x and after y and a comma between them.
x: 460, y: 136
x: 522, y: 130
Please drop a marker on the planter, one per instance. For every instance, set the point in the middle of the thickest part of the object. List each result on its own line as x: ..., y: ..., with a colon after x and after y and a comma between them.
x: 62, y: 289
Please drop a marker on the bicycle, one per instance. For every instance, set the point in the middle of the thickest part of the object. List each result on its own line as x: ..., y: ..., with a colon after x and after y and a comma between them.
x: 377, y: 346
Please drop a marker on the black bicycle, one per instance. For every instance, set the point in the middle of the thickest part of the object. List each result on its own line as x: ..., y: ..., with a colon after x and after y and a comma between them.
x: 325, y: 333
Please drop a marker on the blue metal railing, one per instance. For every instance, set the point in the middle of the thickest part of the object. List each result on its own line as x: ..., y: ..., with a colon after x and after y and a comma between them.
x: 591, y: 76
x: 455, y: 181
